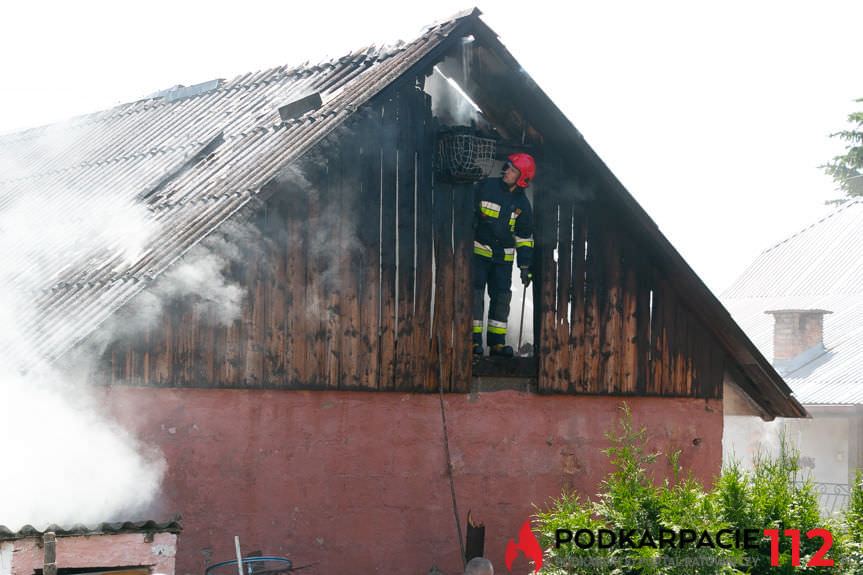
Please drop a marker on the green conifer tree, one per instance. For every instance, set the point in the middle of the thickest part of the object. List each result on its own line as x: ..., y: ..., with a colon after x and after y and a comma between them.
x: 847, y: 169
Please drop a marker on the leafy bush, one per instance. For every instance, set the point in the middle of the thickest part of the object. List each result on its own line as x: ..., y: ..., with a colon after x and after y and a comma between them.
x: 852, y: 542
x: 771, y: 496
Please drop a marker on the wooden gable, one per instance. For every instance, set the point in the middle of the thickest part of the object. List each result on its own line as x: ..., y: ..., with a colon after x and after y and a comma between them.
x: 357, y: 274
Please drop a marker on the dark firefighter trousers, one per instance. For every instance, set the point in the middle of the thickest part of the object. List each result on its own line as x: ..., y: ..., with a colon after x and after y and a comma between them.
x: 498, y: 278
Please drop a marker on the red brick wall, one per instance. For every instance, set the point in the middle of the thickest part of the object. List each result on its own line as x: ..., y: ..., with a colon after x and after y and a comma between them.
x: 97, y: 552
x: 356, y: 482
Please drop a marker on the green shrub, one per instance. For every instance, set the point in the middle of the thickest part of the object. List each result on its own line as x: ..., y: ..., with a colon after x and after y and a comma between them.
x: 852, y: 542
x: 771, y: 496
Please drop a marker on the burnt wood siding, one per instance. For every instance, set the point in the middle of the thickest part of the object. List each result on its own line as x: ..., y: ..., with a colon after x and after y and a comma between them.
x: 611, y: 323
x: 356, y: 273
x: 338, y: 273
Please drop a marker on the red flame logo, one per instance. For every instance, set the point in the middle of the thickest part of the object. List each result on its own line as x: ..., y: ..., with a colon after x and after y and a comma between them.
x: 528, y: 544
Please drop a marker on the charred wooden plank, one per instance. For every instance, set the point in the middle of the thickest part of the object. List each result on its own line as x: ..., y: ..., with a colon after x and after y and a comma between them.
x: 576, y: 330
x: 238, y: 335
x: 350, y: 189
x: 719, y: 359
x: 328, y: 249
x: 628, y: 372
x: 368, y: 267
x: 444, y: 279
x: 162, y: 358
x: 691, y: 330
x: 684, y: 349
x: 318, y: 279
x: 678, y: 349
x: 709, y: 365
x: 406, y: 354
x: 644, y: 317
x: 294, y: 209
x: 180, y: 342
x: 299, y: 355
x: 611, y: 315
x: 593, y: 301
x: 656, y: 335
x: 425, y: 137
x: 462, y: 287
x: 564, y: 289
x: 546, y: 211
x: 389, y: 190
x: 669, y: 343
x: 256, y: 324
x: 276, y: 343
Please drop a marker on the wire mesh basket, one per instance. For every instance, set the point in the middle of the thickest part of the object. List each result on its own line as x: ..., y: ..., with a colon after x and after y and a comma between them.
x: 463, y: 156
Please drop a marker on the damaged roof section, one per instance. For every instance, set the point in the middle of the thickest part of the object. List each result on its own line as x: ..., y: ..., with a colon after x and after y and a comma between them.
x: 27, y: 531
x: 176, y: 168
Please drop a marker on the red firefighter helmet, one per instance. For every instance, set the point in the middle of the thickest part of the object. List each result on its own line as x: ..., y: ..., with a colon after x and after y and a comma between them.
x: 526, y: 166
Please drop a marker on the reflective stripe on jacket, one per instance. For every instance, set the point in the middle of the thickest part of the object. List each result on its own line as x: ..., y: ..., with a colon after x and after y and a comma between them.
x: 503, y: 223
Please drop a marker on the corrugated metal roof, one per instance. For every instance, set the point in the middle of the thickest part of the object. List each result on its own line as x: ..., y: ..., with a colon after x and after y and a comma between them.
x: 7, y: 534
x: 150, y: 149
x: 821, y: 267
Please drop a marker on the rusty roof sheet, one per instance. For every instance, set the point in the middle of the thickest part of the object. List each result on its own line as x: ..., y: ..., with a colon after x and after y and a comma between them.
x: 180, y: 167
x: 27, y: 531
x: 820, y: 267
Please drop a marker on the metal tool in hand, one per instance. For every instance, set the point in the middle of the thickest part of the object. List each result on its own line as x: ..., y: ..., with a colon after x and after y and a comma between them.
x: 521, y: 324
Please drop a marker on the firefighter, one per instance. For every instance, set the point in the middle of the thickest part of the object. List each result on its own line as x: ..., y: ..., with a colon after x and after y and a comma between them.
x: 503, y: 224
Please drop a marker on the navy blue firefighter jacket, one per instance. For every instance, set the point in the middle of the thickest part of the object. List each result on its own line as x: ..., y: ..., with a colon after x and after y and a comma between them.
x: 503, y: 223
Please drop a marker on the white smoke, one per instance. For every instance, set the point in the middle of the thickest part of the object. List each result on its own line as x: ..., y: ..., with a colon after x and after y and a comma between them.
x: 450, y: 103
x: 326, y: 257
x: 66, y: 458
x: 747, y: 438
x: 201, y: 273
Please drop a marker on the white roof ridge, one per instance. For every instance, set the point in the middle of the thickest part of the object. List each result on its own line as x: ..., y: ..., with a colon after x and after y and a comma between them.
x: 843, y: 206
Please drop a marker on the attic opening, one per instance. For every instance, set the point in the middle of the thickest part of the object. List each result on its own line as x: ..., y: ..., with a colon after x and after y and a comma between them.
x: 473, y: 144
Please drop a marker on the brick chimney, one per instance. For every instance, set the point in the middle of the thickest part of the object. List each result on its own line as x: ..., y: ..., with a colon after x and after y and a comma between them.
x: 796, y: 331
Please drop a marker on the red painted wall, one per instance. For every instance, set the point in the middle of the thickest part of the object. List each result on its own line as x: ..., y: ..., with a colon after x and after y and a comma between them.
x: 356, y: 482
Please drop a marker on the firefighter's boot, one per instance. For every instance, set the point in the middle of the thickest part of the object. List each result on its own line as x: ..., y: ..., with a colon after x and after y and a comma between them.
x: 501, y: 350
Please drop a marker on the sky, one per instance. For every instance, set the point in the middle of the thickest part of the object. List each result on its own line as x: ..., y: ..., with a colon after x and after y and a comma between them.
x: 714, y: 115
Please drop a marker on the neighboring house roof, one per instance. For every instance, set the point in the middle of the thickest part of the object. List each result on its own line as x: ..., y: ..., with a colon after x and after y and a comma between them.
x: 147, y: 156
x: 820, y: 267
x: 7, y: 534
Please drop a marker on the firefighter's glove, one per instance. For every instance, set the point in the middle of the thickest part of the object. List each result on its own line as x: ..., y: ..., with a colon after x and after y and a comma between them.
x: 526, y: 276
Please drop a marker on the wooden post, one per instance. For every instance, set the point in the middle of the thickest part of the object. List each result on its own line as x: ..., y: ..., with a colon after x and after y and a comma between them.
x: 49, y: 543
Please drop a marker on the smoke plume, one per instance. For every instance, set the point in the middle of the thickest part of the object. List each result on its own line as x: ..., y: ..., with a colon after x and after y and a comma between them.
x: 449, y: 102
x: 66, y: 459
